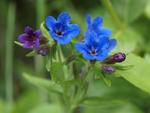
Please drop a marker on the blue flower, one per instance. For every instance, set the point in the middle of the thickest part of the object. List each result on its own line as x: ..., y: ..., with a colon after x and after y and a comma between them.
x: 61, y: 30
x: 94, y: 47
x: 96, y: 26
x: 30, y: 38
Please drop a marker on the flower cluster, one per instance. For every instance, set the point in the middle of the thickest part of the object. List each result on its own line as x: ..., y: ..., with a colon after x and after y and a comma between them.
x: 96, y: 40
x: 96, y: 44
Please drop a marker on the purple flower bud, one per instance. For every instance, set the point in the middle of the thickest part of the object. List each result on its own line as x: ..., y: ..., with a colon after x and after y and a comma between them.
x: 107, y: 68
x: 118, y: 57
x: 44, y: 50
x: 44, y: 40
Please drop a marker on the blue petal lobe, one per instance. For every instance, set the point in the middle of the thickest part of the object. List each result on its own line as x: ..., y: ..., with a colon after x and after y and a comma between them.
x: 90, y: 36
x: 104, y: 32
x: 50, y: 22
x: 101, y: 55
x: 64, y: 39
x: 72, y: 30
x: 53, y: 35
x: 97, y: 23
x: 112, y: 44
x: 29, y: 31
x: 64, y: 18
x: 88, y: 19
x: 81, y: 47
x: 89, y: 56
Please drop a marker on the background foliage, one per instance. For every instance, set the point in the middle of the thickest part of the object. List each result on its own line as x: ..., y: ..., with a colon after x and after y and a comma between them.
x: 129, y: 21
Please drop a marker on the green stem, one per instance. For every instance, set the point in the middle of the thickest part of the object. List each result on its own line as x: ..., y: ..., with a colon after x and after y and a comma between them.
x: 63, y: 79
x: 111, y: 10
x: 9, y: 54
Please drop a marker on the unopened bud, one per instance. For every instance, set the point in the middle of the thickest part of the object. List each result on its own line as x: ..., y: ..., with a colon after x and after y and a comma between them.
x: 44, y: 40
x: 118, y: 57
x: 44, y: 50
x: 108, y: 69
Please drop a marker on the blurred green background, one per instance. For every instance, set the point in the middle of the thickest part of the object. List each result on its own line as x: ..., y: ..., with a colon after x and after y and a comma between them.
x: 132, y: 31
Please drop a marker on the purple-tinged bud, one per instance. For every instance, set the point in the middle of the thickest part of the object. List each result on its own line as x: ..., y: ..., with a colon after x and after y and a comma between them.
x: 44, y: 40
x: 108, y: 69
x: 117, y: 57
x: 44, y: 50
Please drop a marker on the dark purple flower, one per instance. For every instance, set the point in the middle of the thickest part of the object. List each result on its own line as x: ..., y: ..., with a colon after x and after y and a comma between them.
x: 30, y: 38
x: 107, y: 69
x: 118, y: 57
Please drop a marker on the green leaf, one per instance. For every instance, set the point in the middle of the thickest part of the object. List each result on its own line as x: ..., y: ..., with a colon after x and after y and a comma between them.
x: 122, y: 67
x: 129, y: 10
x: 54, y: 48
x: 69, y: 82
x: 46, y: 108
x: 45, y: 32
x: 32, y: 53
x: 126, y: 41
x: 56, y: 70
x: 100, y: 102
x: 97, y: 71
x: 43, y: 83
x: 3, y: 108
x: 108, y: 82
x: 48, y: 58
x: 139, y: 75
x: 18, y: 43
x: 116, y: 74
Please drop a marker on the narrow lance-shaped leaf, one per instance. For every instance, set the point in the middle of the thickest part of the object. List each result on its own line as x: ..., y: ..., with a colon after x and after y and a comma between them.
x: 53, y: 50
x: 45, y: 31
x: 69, y: 82
x: 100, y: 102
x: 56, y: 70
x: 97, y: 71
x: 48, y: 58
x: 32, y: 53
x: 122, y: 67
x: 43, y: 83
x: 108, y: 82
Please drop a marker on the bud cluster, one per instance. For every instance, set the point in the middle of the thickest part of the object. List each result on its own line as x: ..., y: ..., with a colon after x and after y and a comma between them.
x: 117, y: 57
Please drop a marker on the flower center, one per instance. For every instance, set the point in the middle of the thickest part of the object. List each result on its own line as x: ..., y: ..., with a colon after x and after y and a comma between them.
x: 59, y: 33
x: 93, y: 52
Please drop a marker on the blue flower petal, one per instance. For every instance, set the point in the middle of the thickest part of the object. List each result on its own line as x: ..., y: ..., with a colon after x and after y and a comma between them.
x: 64, y: 18
x: 82, y: 48
x: 101, y: 55
x: 89, y: 56
x: 23, y: 38
x: 72, y: 30
x: 97, y: 23
x: 112, y: 44
x: 53, y: 35
x: 50, y: 23
x: 103, y: 43
x: 88, y: 19
x: 37, y: 44
x: 28, y: 44
x: 90, y: 36
x: 104, y: 32
x: 29, y: 31
x: 38, y: 34
x: 64, y: 39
